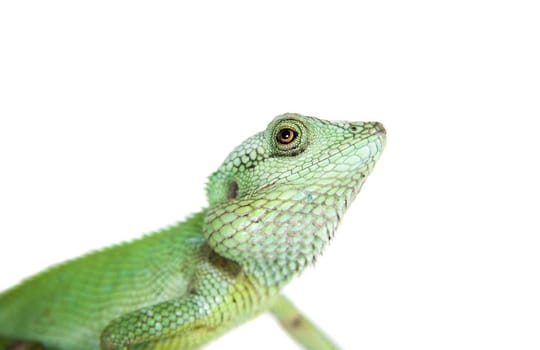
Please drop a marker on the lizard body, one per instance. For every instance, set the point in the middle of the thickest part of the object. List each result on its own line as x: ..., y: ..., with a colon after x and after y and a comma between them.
x: 274, y: 204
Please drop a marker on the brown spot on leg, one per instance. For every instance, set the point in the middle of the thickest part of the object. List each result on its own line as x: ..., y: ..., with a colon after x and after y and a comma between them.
x: 296, y: 322
x: 24, y: 345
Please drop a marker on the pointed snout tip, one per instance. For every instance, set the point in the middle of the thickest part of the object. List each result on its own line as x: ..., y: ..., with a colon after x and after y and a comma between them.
x: 379, y: 128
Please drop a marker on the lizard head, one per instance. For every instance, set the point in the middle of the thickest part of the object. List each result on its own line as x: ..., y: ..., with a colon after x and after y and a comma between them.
x: 277, y: 199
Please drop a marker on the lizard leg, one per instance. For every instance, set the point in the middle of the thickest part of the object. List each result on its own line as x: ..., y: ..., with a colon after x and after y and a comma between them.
x: 299, y: 327
x: 180, y: 323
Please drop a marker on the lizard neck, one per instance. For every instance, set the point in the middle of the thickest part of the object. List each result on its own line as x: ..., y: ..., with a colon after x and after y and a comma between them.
x: 275, y: 234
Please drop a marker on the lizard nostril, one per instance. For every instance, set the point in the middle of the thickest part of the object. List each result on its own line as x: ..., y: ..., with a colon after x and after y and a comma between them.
x: 356, y: 127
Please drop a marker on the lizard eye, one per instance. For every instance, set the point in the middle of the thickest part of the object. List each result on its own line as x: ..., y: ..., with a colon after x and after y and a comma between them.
x: 286, y: 136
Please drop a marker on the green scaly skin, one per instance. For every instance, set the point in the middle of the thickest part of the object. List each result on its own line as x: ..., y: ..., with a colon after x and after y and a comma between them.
x: 274, y: 204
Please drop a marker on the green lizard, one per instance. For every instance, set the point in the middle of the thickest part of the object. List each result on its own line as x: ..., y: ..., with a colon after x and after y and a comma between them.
x: 274, y: 204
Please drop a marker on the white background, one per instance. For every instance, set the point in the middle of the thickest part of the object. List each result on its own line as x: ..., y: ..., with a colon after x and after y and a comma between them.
x: 113, y: 113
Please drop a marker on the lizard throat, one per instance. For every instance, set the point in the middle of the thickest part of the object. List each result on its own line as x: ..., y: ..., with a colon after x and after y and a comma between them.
x: 277, y: 234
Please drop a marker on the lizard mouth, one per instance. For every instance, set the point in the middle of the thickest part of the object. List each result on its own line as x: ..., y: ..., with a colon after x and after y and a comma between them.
x: 367, y: 149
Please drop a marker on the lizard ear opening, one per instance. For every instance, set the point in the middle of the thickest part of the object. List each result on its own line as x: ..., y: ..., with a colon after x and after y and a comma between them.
x: 233, y: 190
